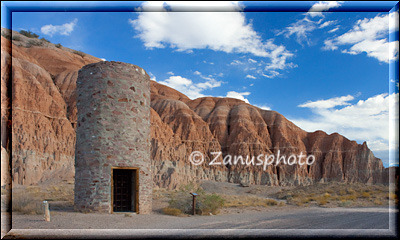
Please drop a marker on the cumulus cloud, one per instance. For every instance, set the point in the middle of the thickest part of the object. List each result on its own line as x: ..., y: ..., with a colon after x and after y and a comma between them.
x: 366, y: 120
x: 188, y: 87
x: 219, y: 31
x: 64, y: 29
x: 370, y: 36
x: 317, y: 8
x: 238, y: 95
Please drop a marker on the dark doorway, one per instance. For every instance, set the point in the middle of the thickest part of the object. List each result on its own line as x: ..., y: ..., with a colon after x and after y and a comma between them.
x: 125, y: 190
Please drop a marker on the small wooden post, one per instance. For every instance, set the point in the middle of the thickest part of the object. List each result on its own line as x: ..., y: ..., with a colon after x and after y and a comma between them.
x: 194, y: 203
x: 46, y: 211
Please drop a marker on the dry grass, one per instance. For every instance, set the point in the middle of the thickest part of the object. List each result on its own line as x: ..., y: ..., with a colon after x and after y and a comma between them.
x: 249, y: 201
x: 365, y: 195
x: 26, y: 205
x: 172, y: 211
x: 80, y: 53
x: 28, y: 199
x: 337, y: 194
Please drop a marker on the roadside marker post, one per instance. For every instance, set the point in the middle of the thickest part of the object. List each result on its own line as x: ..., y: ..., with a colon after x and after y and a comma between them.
x: 194, y: 203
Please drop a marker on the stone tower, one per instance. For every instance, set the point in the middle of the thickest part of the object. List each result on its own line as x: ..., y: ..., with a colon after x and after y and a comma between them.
x: 112, y: 158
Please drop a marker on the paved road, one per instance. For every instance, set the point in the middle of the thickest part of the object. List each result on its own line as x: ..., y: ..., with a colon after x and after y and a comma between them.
x: 356, y: 220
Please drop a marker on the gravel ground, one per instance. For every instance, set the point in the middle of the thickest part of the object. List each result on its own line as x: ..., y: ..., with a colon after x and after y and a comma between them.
x: 274, y: 221
x: 274, y: 218
x: 286, y: 220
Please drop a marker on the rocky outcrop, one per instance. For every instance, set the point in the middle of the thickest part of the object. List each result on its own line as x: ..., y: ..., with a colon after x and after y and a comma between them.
x: 43, y: 109
x: 238, y: 129
x: 44, y: 122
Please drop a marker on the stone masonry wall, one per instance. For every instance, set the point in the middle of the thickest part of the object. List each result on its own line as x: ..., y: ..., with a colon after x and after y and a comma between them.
x: 113, y: 101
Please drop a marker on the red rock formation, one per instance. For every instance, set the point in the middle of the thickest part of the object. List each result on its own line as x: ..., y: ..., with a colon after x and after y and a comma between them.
x: 44, y: 120
x: 245, y: 130
x: 43, y: 104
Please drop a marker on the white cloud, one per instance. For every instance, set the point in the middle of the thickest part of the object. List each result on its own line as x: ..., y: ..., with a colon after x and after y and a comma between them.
x: 102, y: 59
x: 368, y: 35
x: 394, y: 22
x: 250, y: 76
x: 302, y: 28
x: 190, y: 89
x: 366, y: 120
x: 170, y: 73
x: 64, y: 29
x: 219, y: 31
x: 264, y: 107
x: 327, y: 23
x: 152, y: 77
x: 236, y: 62
x: 317, y: 8
x: 238, y: 95
x: 211, y: 63
x: 333, y: 30
x: 329, y: 103
x: 252, y: 60
x: 329, y: 45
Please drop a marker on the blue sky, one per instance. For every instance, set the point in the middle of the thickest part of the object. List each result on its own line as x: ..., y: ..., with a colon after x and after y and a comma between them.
x: 323, y: 69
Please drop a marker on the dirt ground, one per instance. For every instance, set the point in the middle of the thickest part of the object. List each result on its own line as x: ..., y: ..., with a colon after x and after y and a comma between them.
x: 245, y: 216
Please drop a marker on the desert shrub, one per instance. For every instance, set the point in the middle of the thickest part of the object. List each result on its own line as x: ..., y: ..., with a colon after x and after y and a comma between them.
x: 295, y: 195
x: 171, y: 211
x: 29, y: 34
x: 181, y: 200
x: 365, y: 194
x: 351, y: 197
x: 327, y: 195
x: 16, y: 38
x: 26, y: 205
x: 344, y: 203
x: 305, y: 200
x: 271, y: 202
x: 35, y: 43
x: 45, y: 40
x: 342, y: 192
x: 82, y: 54
x: 350, y: 191
x: 378, y: 202
x: 248, y: 201
x: 281, y: 204
x: 392, y: 196
x: 322, y: 202
x: 6, y: 35
x: 58, y: 45
x: 210, y: 203
x: 205, y: 203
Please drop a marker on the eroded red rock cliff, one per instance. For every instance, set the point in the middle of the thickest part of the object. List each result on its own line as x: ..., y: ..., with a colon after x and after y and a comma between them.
x: 43, y: 80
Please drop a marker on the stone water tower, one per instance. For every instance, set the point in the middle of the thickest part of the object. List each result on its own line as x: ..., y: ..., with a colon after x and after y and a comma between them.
x: 112, y: 158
